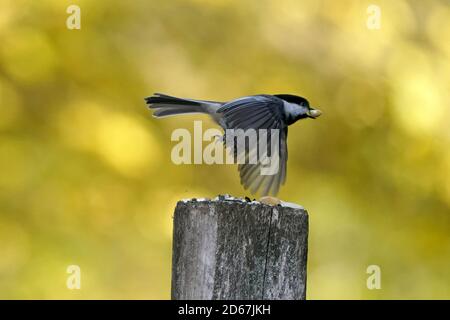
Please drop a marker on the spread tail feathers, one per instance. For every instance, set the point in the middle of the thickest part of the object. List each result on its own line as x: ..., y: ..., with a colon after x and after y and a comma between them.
x: 165, y: 105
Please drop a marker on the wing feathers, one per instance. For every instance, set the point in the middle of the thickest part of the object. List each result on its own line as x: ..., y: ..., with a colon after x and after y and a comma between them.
x: 258, y: 112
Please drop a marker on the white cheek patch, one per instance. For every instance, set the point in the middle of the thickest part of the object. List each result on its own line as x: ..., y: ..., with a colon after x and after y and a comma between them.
x: 293, y: 109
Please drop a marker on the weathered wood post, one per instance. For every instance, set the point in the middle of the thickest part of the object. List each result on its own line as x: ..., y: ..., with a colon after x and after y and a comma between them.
x: 233, y: 249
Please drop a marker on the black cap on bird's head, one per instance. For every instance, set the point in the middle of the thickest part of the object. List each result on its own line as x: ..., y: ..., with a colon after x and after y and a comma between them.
x: 310, y: 113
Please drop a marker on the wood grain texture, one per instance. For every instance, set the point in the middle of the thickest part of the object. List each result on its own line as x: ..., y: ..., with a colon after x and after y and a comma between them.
x: 231, y: 249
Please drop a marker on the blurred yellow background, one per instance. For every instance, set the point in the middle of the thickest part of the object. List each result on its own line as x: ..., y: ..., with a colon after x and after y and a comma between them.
x: 86, y: 176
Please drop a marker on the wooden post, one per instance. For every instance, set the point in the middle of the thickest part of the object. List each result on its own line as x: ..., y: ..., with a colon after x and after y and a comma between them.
x: 233, y: 249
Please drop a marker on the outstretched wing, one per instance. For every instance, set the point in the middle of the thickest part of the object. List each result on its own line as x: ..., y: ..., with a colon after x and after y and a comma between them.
x: 259, y: 112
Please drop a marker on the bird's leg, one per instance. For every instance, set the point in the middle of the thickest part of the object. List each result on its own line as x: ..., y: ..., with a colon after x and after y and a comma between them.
x: 271, y: 201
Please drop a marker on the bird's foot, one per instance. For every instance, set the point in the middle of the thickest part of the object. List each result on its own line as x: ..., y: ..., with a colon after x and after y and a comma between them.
x: 271, y: 201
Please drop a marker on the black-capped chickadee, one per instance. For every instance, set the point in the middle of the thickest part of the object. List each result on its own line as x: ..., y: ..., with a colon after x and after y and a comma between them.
x: 261, y: 111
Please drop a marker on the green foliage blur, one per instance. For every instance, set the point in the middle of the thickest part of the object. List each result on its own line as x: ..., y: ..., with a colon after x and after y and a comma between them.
x: 85, y: 171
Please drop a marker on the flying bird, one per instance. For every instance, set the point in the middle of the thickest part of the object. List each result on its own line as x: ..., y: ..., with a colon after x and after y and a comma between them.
x: 260, y: 111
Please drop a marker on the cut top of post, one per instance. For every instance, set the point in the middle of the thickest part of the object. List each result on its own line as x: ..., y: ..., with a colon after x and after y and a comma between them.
x: 233, y: 249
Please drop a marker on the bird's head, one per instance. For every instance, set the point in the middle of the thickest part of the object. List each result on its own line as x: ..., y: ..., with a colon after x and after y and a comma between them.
x: 303, y: 109
x: 309, y: 112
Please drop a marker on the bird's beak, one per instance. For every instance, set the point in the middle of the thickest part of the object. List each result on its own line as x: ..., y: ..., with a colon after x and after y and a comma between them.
x: 314, y: 113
